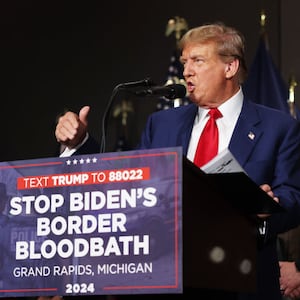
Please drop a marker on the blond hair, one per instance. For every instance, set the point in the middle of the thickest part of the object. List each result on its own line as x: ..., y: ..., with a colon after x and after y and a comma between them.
x: 229, y: 43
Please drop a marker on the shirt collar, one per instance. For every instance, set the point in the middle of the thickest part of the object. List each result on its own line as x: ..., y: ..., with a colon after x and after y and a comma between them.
x: 230, y: 109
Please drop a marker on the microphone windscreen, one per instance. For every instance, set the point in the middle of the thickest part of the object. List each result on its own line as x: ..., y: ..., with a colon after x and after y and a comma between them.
x: 180, y: 91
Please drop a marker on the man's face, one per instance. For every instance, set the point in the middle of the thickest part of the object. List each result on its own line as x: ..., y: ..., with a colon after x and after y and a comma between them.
x: 205, y: 74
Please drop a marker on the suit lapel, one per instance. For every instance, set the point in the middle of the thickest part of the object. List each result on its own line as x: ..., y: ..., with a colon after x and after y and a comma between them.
x: 187, y: 127
x: 246, y: 134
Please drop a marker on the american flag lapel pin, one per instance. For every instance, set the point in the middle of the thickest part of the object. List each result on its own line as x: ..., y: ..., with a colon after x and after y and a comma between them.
x: 251, y: 135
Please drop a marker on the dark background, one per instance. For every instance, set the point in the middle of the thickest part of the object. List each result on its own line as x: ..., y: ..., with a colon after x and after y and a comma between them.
x: 59, y: 55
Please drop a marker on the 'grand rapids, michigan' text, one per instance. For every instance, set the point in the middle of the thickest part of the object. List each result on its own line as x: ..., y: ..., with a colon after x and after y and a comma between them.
x: 83, y: 224
x: 70, y: 270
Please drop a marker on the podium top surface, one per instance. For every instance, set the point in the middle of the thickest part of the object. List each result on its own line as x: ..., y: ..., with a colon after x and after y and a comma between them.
x: 237, y: 188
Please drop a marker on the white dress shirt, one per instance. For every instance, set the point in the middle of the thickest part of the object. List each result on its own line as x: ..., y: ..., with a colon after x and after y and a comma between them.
x: 230, y: 110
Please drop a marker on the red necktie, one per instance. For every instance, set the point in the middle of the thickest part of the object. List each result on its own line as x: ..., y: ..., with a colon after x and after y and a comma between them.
x: 209, y: 140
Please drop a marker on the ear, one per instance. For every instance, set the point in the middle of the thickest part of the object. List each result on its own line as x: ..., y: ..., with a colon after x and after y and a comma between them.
x: 232, y: 68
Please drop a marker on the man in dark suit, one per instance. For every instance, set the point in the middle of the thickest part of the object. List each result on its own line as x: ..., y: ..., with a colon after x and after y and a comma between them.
x: 264, y: 141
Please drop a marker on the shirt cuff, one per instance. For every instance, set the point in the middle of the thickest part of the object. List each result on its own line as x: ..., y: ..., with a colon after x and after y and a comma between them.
x: 70, y: 151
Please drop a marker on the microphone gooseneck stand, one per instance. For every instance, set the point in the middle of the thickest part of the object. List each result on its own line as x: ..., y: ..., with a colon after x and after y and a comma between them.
x: 122, y: 86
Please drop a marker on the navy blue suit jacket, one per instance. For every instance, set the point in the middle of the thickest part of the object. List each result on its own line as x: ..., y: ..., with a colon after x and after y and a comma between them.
x: 266, y: 142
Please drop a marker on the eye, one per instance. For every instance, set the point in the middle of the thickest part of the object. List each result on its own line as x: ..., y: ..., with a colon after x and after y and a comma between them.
x: 198, y: 60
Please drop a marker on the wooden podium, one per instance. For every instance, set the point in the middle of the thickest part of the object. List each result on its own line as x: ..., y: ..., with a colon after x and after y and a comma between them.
x: 220, y: 229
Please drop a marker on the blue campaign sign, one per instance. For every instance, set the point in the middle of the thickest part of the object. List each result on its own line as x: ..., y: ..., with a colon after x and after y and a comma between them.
x: 94, y: 224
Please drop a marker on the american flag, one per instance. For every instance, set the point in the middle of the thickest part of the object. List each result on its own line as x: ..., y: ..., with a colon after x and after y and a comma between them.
x: 174, y: 76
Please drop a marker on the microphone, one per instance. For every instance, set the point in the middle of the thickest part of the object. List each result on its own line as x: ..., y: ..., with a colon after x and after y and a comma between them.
x: 133, y: 84
x: 147, y: 82
x: 171, y: 91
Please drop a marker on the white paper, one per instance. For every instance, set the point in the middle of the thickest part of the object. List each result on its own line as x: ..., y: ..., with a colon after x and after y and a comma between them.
x: 224, y: 162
